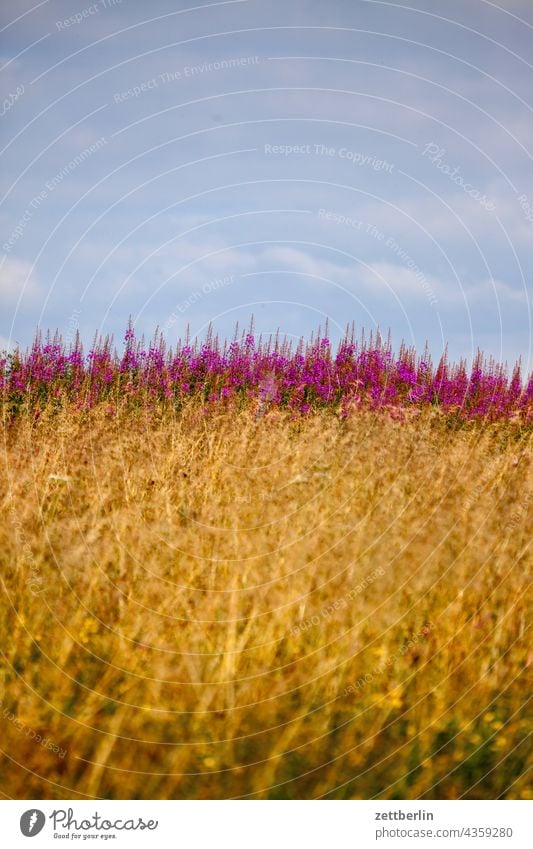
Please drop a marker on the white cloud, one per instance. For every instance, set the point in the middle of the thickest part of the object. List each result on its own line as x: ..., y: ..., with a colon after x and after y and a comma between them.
x: 413, y: 282
x: 294, y: 259
x: 407, y: 282
x: 16, y: 277
x: 502, y: 291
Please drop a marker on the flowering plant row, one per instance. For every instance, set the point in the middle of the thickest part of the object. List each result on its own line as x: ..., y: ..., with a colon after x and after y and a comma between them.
x: 271, y: 373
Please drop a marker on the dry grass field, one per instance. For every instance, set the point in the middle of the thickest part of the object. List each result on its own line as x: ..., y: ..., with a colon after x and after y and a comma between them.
x: 239, y: 605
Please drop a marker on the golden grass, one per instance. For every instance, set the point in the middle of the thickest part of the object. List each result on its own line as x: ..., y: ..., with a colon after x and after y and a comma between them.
x: 245, y: 605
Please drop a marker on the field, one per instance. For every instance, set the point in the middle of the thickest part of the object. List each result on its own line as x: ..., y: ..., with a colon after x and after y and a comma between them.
x: 244, y: 599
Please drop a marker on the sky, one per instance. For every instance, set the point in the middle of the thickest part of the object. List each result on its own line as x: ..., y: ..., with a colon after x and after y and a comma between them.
x: 185, y: 163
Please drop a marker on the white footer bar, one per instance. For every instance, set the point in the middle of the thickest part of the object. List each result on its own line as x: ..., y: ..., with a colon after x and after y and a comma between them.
x: 263, y: 825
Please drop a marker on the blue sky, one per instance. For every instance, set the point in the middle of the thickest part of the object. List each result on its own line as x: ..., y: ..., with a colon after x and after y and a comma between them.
x: 187, y: 163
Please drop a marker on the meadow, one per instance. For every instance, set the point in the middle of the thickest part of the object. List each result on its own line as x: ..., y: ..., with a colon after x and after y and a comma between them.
x: 259, y: 572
